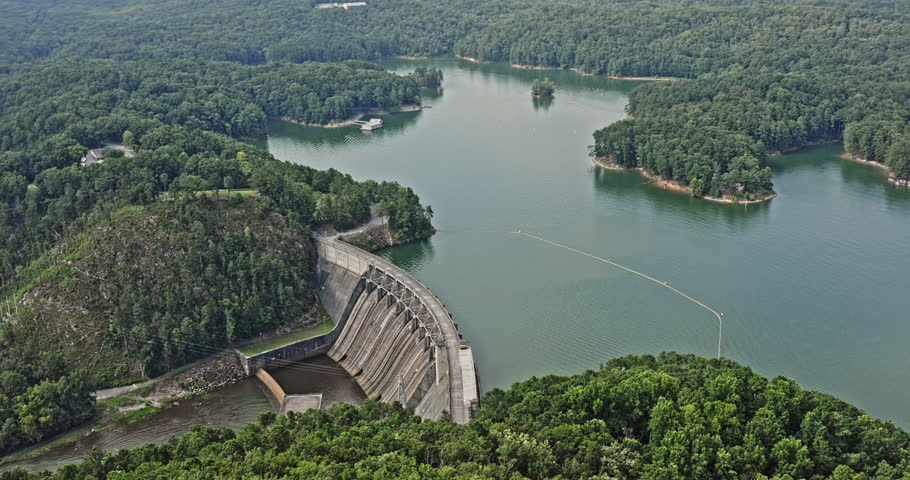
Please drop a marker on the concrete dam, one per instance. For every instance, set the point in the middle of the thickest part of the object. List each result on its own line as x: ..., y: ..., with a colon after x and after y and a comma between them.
x: 392, y: 335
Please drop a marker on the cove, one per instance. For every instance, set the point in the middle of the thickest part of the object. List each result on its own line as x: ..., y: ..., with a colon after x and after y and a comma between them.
x: 811, y: 283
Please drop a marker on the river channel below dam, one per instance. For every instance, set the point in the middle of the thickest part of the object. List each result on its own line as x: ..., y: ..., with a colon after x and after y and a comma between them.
x: 812, y: 285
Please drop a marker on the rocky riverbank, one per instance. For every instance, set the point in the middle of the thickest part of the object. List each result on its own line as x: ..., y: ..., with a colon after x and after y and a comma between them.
x: 372, y: 238
x: 891, y: 178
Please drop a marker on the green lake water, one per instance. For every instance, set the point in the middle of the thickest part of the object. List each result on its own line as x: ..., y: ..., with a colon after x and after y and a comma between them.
x: 813, y: 284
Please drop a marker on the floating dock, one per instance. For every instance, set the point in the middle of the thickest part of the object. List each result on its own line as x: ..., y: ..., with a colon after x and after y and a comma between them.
x: 369, y: 125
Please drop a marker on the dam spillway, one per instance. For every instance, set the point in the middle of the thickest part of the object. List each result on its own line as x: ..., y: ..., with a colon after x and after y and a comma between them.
x: 393, y: 335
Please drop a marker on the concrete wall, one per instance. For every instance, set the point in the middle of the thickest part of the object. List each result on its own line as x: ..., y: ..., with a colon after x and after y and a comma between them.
x: 344, y: 288
x: 288, y: 403
x: 301, y: 350
x: 273, y: 387
x: 391, y: 334
x: 397, y: 339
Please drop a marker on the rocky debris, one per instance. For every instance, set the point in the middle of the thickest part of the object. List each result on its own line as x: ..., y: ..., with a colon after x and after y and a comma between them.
x: 372, y: 238
x: 208, y: 375
x: 140, y: 406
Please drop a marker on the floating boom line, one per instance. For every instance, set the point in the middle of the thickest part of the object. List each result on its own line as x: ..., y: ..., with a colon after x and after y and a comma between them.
x: 719, y: 315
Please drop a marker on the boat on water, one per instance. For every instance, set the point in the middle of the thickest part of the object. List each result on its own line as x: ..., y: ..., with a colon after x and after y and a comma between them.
x: 371, y: 124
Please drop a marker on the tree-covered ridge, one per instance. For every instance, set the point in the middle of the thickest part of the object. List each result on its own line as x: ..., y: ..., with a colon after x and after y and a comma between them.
x: 119, y: 259
x: 665, y: 418
x: 784, y: 75
x: 143, y: 285
x: 238, y: 31
x: 175, y: 115
x: 126, y: 291
x: 143, y: 290
x: 689, y: 39
x: 61, y: 97
x: 837, y: 60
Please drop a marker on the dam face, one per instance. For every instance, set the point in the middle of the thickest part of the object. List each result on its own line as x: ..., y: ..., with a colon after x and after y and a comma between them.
x: 393, y: 335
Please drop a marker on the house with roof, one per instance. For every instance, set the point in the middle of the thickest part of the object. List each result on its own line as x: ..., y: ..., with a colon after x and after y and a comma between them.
x: 96, y: 155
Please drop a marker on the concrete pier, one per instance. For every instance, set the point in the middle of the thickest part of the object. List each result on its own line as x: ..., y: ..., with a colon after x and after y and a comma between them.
x: 288, y: 403
x: 301, y: 403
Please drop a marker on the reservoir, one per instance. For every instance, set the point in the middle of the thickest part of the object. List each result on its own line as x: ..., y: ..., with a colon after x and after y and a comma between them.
x: 813, y: 284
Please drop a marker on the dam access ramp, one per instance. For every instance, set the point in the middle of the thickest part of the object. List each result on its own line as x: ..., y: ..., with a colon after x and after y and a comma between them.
x: 396, y: 338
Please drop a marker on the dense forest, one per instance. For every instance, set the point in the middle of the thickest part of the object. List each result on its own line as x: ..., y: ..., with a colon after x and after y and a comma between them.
x: 783, y: 73
x: 139, y: 284
x: 181, y: 83
x: 143, y: 290
x: 665, y: 418
x: 59, y: 98
x: 127, y: 259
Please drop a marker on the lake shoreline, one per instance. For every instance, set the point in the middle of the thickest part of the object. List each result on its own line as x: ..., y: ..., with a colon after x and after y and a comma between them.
x: 846, y: 156
x: 606, y: 164
x: 891, y: 178
x: 781, y: 153
x: 472, y: 60
x: 350, y: 121
x: 586, y: 74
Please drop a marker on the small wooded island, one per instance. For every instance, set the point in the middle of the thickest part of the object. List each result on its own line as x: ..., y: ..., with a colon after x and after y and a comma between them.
x: 427, y: 77
x: 543, y: 88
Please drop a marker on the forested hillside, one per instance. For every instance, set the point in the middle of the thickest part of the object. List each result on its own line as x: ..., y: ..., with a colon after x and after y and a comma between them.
x: 142, y: 290
x: 58, y: 98
x: 675, y: 417
x: 782, y: 73
x: 238, y: 31
x: 122, y: 270
x: 64, y: 218
x: 182, y: 82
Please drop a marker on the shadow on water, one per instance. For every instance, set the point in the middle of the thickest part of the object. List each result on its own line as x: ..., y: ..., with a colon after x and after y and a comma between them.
x: 564, y: 79
x: 867, y: 181
x: 630, y: 186
x: 431, y: 93
x: 874, y: 182
x: 542, y: 103
x: 410, y: 256
x: 393, y: 125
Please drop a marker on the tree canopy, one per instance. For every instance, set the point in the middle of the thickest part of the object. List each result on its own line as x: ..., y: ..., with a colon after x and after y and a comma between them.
x: 639, y: 417
x: 180, y: 82
x: 543, y: 88
x: 783, y: 74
